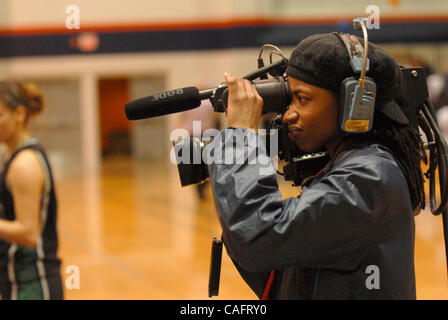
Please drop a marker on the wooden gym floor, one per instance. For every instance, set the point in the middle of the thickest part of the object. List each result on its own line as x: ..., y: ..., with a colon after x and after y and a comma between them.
x: 135, y: 233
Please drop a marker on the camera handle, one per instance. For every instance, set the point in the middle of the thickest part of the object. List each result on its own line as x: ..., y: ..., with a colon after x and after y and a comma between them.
x: 215, y: 268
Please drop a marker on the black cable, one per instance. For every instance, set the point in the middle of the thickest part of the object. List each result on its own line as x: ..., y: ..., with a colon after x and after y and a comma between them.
x: 442, y: 159
x: 430, y: 174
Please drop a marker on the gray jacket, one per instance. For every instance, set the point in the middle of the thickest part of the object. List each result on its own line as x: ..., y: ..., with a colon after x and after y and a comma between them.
x: 349, y: 235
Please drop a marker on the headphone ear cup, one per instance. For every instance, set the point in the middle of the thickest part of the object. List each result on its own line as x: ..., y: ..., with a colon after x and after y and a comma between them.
x: 345, y: 101
x: 357, y: 105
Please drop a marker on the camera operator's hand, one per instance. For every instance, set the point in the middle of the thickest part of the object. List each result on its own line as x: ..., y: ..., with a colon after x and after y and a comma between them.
x: 244, y: 104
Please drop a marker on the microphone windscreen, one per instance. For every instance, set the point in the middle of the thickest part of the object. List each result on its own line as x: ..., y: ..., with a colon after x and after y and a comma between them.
x: 163, y: 103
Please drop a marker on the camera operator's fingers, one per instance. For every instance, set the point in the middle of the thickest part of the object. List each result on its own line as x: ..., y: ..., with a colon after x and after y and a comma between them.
x: 236, y: 90
x: 239, y: 89
x: 232, y: 83
x: 229, y: 79
x: 244, y: 103
x: 254, y: 97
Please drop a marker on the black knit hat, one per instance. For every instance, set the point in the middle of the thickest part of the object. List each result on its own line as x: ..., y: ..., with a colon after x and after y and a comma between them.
x: 322, y: 60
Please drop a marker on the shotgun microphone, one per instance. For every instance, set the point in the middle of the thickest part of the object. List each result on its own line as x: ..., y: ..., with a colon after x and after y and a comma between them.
x: 163, y: 103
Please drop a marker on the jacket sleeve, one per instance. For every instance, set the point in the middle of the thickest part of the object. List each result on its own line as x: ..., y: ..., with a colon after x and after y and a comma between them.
x: 330, y: 225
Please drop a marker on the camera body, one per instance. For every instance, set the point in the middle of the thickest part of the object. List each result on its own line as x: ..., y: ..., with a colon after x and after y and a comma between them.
x: 188, y: 151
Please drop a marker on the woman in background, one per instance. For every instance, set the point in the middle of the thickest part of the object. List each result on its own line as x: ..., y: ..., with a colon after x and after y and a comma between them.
x: 29, y: 266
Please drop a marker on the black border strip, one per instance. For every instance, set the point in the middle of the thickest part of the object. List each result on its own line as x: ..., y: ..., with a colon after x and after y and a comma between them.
x: 211, y: 38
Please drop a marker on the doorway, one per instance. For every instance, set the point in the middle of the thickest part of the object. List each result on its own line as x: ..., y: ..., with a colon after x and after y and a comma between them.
x: 114, y: 127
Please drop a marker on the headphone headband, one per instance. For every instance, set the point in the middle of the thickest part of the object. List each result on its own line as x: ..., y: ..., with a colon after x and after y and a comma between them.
x: 355, y: 51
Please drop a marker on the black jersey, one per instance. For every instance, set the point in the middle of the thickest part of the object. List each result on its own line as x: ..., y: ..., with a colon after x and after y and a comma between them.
x: 27, y: 273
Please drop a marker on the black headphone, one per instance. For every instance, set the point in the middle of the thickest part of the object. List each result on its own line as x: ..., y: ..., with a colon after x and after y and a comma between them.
x: 357, y: 95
